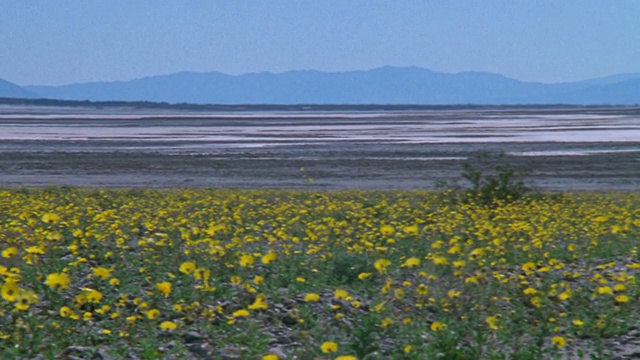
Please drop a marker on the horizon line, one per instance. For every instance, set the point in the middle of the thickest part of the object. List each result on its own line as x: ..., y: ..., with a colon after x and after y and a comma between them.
x: 317, y: 71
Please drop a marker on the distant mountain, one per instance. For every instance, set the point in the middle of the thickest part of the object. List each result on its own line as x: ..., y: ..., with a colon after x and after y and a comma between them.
x: 611, y: 79
x: 11, y: 90
x: 385, y: 85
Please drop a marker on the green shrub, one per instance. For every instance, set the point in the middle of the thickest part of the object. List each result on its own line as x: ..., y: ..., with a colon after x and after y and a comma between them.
x: 491, y: 180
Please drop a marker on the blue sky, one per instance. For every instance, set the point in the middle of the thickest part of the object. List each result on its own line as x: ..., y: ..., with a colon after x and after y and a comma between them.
x: 44, y: 42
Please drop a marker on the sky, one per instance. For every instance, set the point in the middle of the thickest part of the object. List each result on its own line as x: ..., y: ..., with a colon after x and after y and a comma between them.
x: 44, y: 42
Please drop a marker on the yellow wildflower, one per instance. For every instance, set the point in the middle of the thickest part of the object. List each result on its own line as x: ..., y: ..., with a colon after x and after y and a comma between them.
x: 341, y: 294
x: 153, y: 314
x: 453, y: 293
x: 80, y: 300
x: 621, y: 299
x: 9, y: 252
x: 25, y: 299
x: 101, y: 272
x: 269, y: 257
x: 87, y: 316
x: 558, y: 341
x: 459, y: 264
x: 58, y: 281
x: 93, y: 296
x: 398, y: 293
x: 387, y: 230
x: 168, y: 325
x: 528, y: 267
x: 35, y: 250
x: 386, y: 322
x: 411, y: 230
x: 492, y: 321
x: 565, y: 295
x: 259, y: 303
x: 241, y: 313
x: 381, y: 265
x: 312, y: 297
x: 536, y: 301
x: 440, y: 260
x: 604, y: 290
x: 50, y: 218
x: 187, y: 267
x: 529, y: 291
x: 65, y: 311
x: 10, y: 291
x: 364, y: 275
x: 329, y: 347
x: 164, y: 287
x: 619, y: 287
x: 246, y: 260
x: 411, y: 262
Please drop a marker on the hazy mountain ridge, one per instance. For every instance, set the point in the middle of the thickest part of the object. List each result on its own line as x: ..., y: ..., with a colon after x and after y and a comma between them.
x: 11, y: 90
x: 385, y: 85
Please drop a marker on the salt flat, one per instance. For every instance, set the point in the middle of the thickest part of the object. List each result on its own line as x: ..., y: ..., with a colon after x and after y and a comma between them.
x: 561, y: 149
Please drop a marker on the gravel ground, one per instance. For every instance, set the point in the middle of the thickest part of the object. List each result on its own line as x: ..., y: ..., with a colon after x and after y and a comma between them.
x: 344, y: 166
x: 578, y: 149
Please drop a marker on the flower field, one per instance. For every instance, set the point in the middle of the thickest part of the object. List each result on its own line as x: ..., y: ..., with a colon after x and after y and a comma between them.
x: 259, y: 274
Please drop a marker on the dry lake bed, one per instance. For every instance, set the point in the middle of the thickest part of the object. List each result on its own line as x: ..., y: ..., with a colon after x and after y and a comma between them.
x: 559, y: 148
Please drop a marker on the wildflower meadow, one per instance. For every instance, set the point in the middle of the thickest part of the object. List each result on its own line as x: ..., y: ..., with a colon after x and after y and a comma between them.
x: 274, y: 274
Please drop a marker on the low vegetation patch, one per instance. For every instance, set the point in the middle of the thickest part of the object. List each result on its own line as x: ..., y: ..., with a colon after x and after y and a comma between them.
x: 489, y: 180
x: 237, y: 274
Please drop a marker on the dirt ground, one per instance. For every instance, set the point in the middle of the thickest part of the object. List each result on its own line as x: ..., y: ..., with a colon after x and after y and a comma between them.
x: 574, y: 149
x: 351, y: 166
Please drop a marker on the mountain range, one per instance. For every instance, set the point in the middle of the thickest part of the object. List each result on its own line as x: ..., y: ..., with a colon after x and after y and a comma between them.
x: 11, y: 90
x: 385, y: 85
